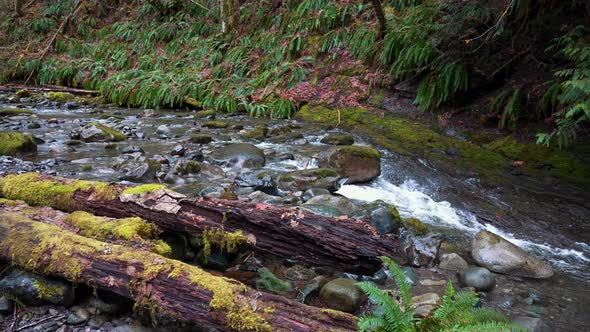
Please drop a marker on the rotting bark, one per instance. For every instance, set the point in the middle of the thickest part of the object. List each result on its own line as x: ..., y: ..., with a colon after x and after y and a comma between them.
x: 163, y: 286
x: 340, y: 243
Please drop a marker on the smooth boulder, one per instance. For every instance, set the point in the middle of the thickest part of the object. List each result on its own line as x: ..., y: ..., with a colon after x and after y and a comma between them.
x: 239, y: 155
x: 479, y: 278
x: 342, y: 294
x: 96, y: 132
x: 357, y: 163
x: 33, y: 289
x: 338, y: 139
x: 501, y: 256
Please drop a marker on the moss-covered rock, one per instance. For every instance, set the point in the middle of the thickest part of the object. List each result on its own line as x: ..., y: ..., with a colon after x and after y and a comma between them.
x: 338, y: 139
x: 205, y: 114
x: 415, y: 225
x: 33, y: 289
x: 215, y: 124
x: 23, y: 93
x: 97, y: 132
x: 357, y: 163
x: 5, y: 111
x: 200, y: 139
x: 12, y: 143
x: 60, y: 96
x: 259, y: 132
x: 193, y: 102
x: 189, y: 167
x: 342, y: 294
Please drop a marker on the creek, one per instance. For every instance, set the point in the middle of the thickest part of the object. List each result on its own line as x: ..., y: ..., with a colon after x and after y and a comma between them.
x: 542, y: 220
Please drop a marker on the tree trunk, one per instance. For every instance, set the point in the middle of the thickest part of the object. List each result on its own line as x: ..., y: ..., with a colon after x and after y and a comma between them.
x: 161, y: 285
x: 343, y: 244
x: 378, y: 6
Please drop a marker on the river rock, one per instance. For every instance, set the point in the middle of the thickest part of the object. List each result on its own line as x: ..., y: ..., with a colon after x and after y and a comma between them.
x: 330, y: 205
x: 532, y: 324
x: 311, y: 288
x: 239, y: 155
x: 452, y: 262
x: 32, y: 289
x: 421, y: 250
x: 138, y: 172
x: 342, y: 294
x: 259, y: 132
x: 424, y: 304
x: 261, y: 197
x: 78, y: 316
x: 5, y: 305
x: 304, y: 179
x: 357, y: 163
x: 96, y: 132
x: 312, y: 192
x: 131, y: 149
x: 338, y: 139
x: 383, y: 216
x: 201, y: 139
x: 499, y: 255
x: 258, y: 181
x: 479, y: 278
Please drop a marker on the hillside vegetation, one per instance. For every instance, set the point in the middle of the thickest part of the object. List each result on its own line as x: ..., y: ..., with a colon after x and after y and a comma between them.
x: 513, y: 61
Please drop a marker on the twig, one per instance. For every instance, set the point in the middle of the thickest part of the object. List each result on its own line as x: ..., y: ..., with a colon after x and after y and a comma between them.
x: 198, y: 4
x: 55, y: 36
x: 15, y: 316
x: 58, y: 316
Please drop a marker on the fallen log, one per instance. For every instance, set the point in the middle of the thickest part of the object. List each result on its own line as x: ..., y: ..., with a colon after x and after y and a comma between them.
x: 341, y: 243
x: 47, y: 88
x: 163, y: 286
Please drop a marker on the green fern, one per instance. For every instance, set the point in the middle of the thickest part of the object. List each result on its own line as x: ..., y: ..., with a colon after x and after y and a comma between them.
x: 455, y: 313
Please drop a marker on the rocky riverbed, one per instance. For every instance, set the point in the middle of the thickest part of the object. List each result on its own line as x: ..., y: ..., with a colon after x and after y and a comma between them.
x: 317, y: 168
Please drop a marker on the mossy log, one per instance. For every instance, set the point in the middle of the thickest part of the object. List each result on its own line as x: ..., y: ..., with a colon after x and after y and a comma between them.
x: 47, y: 88
x: 162, y: 286
x: 344, y: 244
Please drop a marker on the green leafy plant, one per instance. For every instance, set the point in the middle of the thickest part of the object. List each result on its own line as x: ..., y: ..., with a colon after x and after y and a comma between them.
x: 574, y: 90
x: 457, y: 312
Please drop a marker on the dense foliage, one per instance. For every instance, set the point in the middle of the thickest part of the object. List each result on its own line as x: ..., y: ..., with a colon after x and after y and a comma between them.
x: 457, y: 312
x: 277, y: 55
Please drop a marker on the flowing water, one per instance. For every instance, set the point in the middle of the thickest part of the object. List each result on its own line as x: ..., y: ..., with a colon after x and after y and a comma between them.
x: 544, y: 222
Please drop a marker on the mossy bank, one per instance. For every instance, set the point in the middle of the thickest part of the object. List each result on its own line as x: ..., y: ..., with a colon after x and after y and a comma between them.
x: 493, y: 163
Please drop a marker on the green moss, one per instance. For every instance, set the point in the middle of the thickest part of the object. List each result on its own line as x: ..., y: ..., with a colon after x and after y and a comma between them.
x: 225, y: 241
x: 45, y: 291
x: 86, y: 168
x: 560, y: 164
x: 5, y: 111
x: 272, y: 283
x: 12, y: 143
x: 415, y: 225
x: 10, y: 202
x: 189, y: 167
x: 154, y: 164
x: 142, y: 189
x: 410, y: 138
x: 60, y: 96
x: 338, y: 139
x: 204, y: 114
x: 113, y: 134
x: 361, y: 151
x: 101, y: 228
x: 201, y: 139
x: 394, y: 213
x: 23, y: 93
x: 37, y: 191
x: 193, y: 102
x: 259, y: 132
x: 215, y: 124
x: 110, y: 115
x: 46, y: 248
